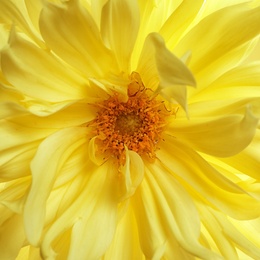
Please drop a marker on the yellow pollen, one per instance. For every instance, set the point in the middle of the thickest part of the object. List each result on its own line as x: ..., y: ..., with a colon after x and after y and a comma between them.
x: 136, y: 124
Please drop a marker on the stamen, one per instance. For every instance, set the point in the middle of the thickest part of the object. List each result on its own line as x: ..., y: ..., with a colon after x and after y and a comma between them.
x: 136, y: 124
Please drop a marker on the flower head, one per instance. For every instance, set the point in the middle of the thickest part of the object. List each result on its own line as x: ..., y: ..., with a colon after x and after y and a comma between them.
x: 129, y: 129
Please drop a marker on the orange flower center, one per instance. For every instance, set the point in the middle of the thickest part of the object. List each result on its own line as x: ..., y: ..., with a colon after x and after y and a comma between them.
x: 136, y: 124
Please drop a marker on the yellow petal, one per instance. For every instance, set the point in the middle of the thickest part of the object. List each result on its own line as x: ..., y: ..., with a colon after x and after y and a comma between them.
x: 48, y: 80
x: 248, y: 161
x: 153, y: 15
x: 239, y: 83
x: 238, y: 238
x: 99, y: 213
x: 179, y: 21
x: 209, y: 41
x: 132, y: 174
x: 119, y: 28
x: 51, y: 155
x: 83, y: 244
x: 71, y: 32
x: 14, y: 13
x: 15, y: 162
x: 10, y: 109
x: 163, y: 209
x: 14, y: 134
x: 12, y: 237
x: 225, y: 246
x: 221, y: 136
x: 157, y: 61
x: 125, y: 244
x: 213, y: 186
x: 34, y: 8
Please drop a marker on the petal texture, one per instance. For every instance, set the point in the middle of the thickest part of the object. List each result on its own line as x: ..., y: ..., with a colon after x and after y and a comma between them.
x: 119, y: 28
x: 71, y: 32
x: 192, y: 170
x: 224, y: 136
x: 44, y: 170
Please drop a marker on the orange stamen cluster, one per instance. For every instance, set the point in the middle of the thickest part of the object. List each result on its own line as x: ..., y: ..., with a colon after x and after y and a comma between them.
x: 136, y: 124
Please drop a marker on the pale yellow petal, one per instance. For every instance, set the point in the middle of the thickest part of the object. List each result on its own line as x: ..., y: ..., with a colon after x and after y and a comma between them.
x: 248, y: 161
x: 15, y: 162
x: 239, y: 83
x: 163, y: 208
x: 190, y: 168
x: 179, y: 21
x: 51, y: 155
x: 210, y: 40
x: 238, y: 238
x: 93, y: 210
x: 125, y: 244
x: 220, y: 136
x: 119, y: 28
x: 71, y: 32
x: 15, y: 133
x: 14, y: 13
x: 162, y: 70
x: 131, y: 175
x: 153, y: 15
x: 225, y: 246
x: 50, y: 80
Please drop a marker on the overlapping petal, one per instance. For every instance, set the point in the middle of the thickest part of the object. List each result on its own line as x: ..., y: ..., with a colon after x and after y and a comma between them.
x: 163, y: 71
x: 165, y: 210
x: 222, y: 136
x: 70, y: 31
x: 132, y: 175
x: 119, y: 28
x: 238, y: 24
x: 9, y: 244
x: 125, y: 244
x: 45, y: 168
x: 189, y: 167
x: 91, y: 210
x: 173, y: 29
x: 14, y: 13
x: 49, y: 80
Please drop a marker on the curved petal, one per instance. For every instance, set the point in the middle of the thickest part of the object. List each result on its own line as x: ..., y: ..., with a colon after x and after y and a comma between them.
x: 248, y: 161
x: 92, y: 211
x: 34, y: 8
x: 12, y: 237
x: 153, y: 15
x: 45, y: 80
x: 51, y: 155
x: 119, y: 28
x: 71, y: 32
x: 15, y: 162
x: 125, y: 244
x: 100, y: 221
x: 209, y: 41
x: 179, y: 21
x: 232, y: 233
x: 163, y: 210
x: 132, y: 175
x: 192, y: 170
x: 12, y: 13
x: 15, y: 133
x: 225, y: 246
x: 222, y: 136
x: 157, y: 62
x: 240, y: 82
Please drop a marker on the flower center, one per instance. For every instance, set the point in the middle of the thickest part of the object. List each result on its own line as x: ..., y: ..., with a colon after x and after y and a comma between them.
x: 136, y: 124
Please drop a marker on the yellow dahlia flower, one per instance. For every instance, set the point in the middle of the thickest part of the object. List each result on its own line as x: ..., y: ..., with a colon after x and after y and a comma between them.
x: 129, y: 129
